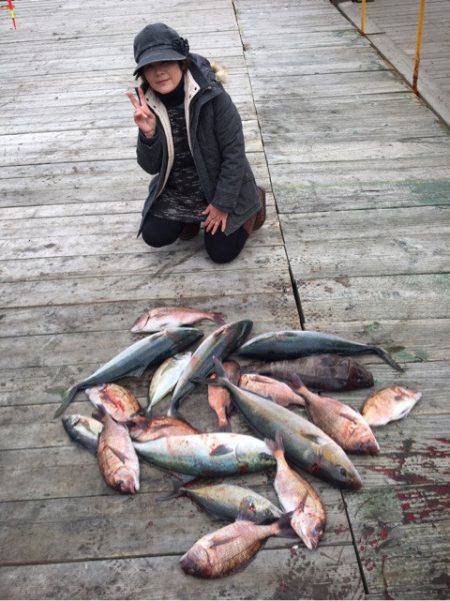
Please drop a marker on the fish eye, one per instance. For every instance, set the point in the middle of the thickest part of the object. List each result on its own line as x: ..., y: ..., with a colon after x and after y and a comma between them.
x: 343, y: 472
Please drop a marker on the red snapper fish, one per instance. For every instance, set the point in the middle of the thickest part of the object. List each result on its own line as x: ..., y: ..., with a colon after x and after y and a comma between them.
x: 219, y: 398
x: 298, y: 496
x: 389, y: 404
x: 117, y: 459
x: 119, y: 402
x: 162, y: 317
x: 277, y: 391
x: 342, y: 423
x: 232, y: 547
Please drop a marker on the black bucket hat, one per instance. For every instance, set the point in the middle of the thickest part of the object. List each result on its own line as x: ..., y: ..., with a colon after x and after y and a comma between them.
x: 158, y: 42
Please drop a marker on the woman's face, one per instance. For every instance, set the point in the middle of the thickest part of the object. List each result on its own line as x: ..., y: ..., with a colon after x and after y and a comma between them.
x: 164, y: 76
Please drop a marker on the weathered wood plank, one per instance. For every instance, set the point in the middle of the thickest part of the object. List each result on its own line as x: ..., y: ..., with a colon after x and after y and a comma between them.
x: 299, y: 151
x: 283, y: 573
x: 267, y: 311
x: 98, y: 244
x: 399, y: 241
x: 361, y: 184
x: 402, y: 297
x: 395, y: 528
x: 87, y: 145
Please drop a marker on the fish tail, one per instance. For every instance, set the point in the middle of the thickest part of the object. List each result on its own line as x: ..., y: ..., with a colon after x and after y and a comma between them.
x: 224, y: 426
x: 66, y: 398
x: 276, y: 446
x: 218, y: 318
x: 297, y: 382
x: 387, y: 357
x: 175, y: 492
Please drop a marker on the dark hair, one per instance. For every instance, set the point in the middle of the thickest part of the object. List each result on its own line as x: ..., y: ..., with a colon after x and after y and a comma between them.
x: 184, y: 66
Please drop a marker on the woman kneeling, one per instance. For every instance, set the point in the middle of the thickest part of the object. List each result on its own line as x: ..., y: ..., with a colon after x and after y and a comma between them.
x: 190, y: 135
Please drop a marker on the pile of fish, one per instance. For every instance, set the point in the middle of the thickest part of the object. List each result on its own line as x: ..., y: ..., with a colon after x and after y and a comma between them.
x: 291, y: 363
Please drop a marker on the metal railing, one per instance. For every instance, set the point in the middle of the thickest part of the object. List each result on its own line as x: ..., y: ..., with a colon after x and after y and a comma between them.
x: 362, y: 31
x: 8, y: 4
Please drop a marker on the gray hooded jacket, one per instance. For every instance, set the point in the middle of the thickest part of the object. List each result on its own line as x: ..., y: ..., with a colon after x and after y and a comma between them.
x: 216, y: 141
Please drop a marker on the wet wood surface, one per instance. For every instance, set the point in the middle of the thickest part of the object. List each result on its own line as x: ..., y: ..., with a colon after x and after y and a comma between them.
x: 356, y: 169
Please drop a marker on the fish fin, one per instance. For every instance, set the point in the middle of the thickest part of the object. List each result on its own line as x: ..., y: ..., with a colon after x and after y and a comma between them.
x: 176, y: 491
x: 218, y: 318
x: 247, y: 510
x: 387, y: 357
x: 221, y: 449
x: 313, y: 438
x: 121, y: 456
x: 137, y: 372
x: 67, y: 398
x: 284, y: 526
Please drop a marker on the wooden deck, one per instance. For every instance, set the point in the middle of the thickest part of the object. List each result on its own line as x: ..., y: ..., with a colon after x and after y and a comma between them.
x: 357, y: 243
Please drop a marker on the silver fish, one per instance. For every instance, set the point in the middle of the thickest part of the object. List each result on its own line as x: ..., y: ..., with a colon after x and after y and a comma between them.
x: 135, y: 359
x: 290, y: 344
x: 213, y: 454
x: 165, y: 378
x: 84, y: 430
x: 220, y: 343
x: 224, y: 500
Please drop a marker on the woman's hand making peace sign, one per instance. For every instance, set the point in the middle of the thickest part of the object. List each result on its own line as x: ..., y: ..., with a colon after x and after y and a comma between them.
x: 143, y: 116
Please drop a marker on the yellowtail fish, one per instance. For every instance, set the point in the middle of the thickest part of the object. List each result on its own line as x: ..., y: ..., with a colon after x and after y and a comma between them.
x: 224, y: 500
x: 298, y: 496
x: 135, y: 359
x: 163, y: 317
x: 212, y: 454
x: 230, y: 548
x: 291, y: 344
x: 221, y: 343
x: 306, y: 445
x: 117, y: 459
x: 345, y: 425
x: 219, y: 398
x: 389, y: 404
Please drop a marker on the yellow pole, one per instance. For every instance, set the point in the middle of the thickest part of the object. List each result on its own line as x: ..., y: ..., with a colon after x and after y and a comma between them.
x: 418, y: 44
x: 363, y: 17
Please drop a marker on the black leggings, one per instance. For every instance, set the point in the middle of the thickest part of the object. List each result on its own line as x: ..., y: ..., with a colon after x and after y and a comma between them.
x: 221, y: 249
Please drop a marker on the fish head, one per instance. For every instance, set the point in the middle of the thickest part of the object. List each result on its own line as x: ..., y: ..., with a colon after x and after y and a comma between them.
x: 358, y: 375
x: 196, y: 561
x: 127, y: 483
x: 309, y: 526
x: 367, y: 444
x: 140, y: 323
x: 346, y: 476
